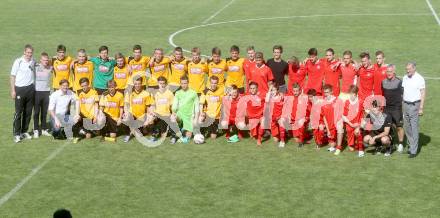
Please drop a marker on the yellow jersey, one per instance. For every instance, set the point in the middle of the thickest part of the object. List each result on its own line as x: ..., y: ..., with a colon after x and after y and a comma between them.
x: 112, y: 105
x: 139, y: 102
x: 163, y: 101
x: 159, y: 69
x: 121, y: 75
x: 61, y: 70
x: 235, y: 73
x: 178, y: 69
x: 87, y: 101
x: 217, y: 69
x: 212, y: 102
x: 138, y: 67
x: 84, y: 70
x: 196, y: 76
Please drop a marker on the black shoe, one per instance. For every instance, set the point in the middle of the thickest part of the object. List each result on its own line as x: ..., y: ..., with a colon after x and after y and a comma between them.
x: 300, y: 145
x: 412, y: 155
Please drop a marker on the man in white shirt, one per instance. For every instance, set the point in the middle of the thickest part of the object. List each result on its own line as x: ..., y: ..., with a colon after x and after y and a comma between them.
x: 59, y: 105
x: 413, y: 100
x: 22, y: 91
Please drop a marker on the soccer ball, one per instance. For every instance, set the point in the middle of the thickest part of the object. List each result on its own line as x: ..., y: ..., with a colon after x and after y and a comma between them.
x: 199, y: 139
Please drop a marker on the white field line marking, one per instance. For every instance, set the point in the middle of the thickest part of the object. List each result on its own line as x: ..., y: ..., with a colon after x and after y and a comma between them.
x: 34, y: 171
x: 433, y: 11
x: 218, y: 12
x: 171, y: 37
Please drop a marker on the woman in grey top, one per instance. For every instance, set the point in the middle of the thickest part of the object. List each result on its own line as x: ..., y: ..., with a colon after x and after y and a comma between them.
x: 43, y: 73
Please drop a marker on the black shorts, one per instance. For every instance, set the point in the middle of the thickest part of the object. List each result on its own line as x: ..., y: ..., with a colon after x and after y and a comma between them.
x: 396, y: 116
x: 111, y: 126
x: 213, y: 128
x: 161, y: 125
x: 378, y: 140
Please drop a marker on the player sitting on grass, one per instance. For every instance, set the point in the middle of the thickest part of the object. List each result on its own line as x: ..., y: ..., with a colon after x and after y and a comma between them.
x: 88, y: 109
x: 210, y: 106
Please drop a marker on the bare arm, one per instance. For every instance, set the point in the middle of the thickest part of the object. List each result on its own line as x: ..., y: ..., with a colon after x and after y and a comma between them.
x: 12, y: 84
x: 422, y: 101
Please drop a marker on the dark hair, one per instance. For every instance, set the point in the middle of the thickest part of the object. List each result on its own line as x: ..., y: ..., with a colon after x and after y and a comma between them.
x: 365, y: 54
x: 311, y: 92
x: 44, y: 54
x: 184, y: 78
x: 64, y: 81
x: 235, y: 48
x: 216, y: 50
x: 103, y: 48
x: 111, y: 82
x: 253, y: 84
x: 327, y: 87
x: 380, y: 53
x: 61, y: 48
x: 83, y: 80
x: 62, y: 213
x: 178, y: 49
x: 353, y: 89
x: 330, y: 50
x: 259, y: 54
x: 313, y: 51
x: 28, y: 46
x: 348, y: 52
x: 375, y: 104
x: 137, y: 47
x: 250, y: 48
x: 119, y: 55
x: 279, y: 47
x: 234, y: 87
x: 161, y: 78
x: 140, y: 79
x: 196, y: 50
x: 214, y: 78
x: 296, y: 85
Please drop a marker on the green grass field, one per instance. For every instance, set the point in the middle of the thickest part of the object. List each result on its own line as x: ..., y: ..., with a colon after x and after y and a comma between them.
x: 216, y: 179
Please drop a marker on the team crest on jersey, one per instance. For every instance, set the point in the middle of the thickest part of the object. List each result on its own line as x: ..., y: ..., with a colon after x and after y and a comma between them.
x: 62, y: 67
x: 82, y: 69
x: 179, y: 66
x: 120, y: 75
x: 103, y: 69
x: 196, y: 70
x: 216, y: 70
x: 233, y: 68
x: 159, y: 68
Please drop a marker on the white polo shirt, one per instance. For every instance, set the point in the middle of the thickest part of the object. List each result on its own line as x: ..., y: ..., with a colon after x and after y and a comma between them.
x: 412, y: 86
x: 60, y: 102
x: 23, y: 71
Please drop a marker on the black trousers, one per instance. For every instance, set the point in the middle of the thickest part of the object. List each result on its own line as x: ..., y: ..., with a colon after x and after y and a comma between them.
x: 40, y: 110
x: 24, y: 102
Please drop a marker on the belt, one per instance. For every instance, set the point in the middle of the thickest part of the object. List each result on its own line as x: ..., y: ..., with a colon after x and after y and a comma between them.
x: 411, y: 102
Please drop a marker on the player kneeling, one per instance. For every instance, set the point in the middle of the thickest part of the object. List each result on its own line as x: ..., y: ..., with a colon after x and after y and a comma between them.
x: 275, y: 99
x: 163, y: 99
x: 111, y: 105
x: 300, y: 115
x: 379, y: 126
x: 88, y: 109
x: 210, y: 106
x: 141, y: 107
x: 255, y: 108
x: 231, y: 102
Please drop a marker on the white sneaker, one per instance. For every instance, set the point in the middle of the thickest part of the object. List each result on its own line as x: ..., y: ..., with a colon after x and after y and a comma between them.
x: 36, y: 136
x: 126, y: 138
x: 26, y: 136
x: 387, y: 154
x: 281, y: 144
x: 17, y: 139
x: 361, y: 154
x: 45, y: 133
x: 331, y: 149
x: 400, y: 148
x: 82, y: 132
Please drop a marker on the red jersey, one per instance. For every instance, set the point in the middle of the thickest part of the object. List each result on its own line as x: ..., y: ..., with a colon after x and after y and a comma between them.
x: 315, y: 75
x: 301, y: 108
x: 353, y: 111
x: 295, y: 75
x: 366, y: 82
x: 332, y: 74
x: 247, y: 65
x: 277, y: 103
x: 261, y: 75
x: 255, y: 106
x: 380, y: 73
x: 349, y: 76
x: 330, y: 111
x: 233, y: 109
